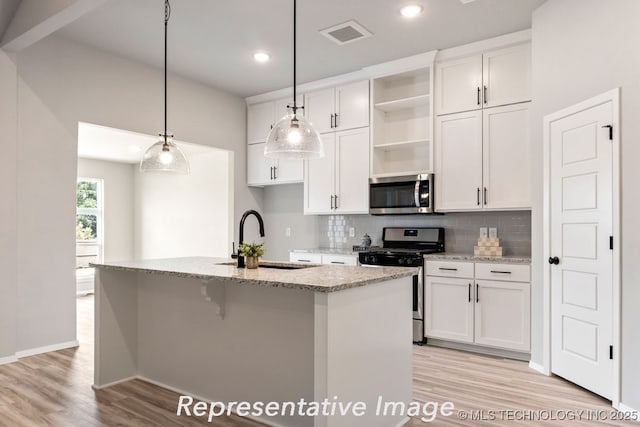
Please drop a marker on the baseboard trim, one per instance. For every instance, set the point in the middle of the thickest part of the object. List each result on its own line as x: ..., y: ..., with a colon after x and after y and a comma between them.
x: 479, y: 349
x: 46, y: 349
x: 537, y: 367
x: 111, y: 384
x: 8, y: 359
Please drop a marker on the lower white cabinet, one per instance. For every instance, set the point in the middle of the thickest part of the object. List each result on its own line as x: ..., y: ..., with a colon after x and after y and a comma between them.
x: 319, y: 258
x: 263, y: 170
x: 475, y: 309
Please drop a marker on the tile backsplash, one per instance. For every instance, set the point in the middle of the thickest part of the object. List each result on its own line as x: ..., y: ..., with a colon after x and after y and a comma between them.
x: 461, y: 229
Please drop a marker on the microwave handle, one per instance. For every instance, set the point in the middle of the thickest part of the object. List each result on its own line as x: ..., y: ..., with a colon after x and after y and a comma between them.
x: 416, y: 194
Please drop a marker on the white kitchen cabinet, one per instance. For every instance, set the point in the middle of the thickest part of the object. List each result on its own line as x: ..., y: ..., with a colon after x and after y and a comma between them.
x: 506, y: 159
x: 263, y: 171
x: 340, y: 108
x: 458, y: 85
x: 337, y: 259
x: 449, y: 308
x: 493, y: 78
x: 459, y: 161
x: 490, y: 307
x: 262, y: 116
x: 502, y: 315
x: 312, y: 258
x: 339, y: 182
x: 482, y: 159
x: 320, y: 258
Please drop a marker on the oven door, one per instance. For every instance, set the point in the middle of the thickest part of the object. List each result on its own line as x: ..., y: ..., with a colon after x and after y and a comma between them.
x: 400, y: 195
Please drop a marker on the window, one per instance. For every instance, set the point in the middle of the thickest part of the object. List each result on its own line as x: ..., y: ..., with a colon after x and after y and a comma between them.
x: 88, y: 225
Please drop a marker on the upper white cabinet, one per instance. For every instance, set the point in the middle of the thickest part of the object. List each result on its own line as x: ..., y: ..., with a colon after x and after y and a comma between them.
x: 262, y: 116
x: 340, y: 108
x: 402, y: 123
x: 494, y: 78
x: 482, y: 159
x: 263, y: 170
x: 339, y: 182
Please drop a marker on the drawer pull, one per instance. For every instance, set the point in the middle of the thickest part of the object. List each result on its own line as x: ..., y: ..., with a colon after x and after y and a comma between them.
x: 337, y: 262
x: 448, y: 269
x: 304, y: 260
x: 500, y: 272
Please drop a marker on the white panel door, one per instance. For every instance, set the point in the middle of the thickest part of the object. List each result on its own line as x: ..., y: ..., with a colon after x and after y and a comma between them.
x: 449, y: 305
x: 319, y: 179
x: 581, y: 223
x: 507, y: 75
x: 320, y: 109
x: 260, y: 118
x: 458, y: 85
x: 352, y: 171
x: 288, y: 171
x: 502, y: 315
x: 507, y: 162
x: 459, y: 161
x: 352, y: 106
x: 259, y: 170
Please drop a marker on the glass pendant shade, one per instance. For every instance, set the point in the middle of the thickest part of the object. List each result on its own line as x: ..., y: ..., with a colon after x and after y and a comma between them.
x: 294, y: 138
x: 164, y: 156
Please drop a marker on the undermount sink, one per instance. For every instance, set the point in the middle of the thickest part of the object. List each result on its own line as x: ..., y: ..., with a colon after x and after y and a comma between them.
x: 275, y: 266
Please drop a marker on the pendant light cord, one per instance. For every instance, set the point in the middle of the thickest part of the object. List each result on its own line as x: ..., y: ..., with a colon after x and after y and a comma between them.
x: 295, y: 107
x: 167, y: 14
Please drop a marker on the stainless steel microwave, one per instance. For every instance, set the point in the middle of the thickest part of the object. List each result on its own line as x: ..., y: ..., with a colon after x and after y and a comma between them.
x: 401, y: 195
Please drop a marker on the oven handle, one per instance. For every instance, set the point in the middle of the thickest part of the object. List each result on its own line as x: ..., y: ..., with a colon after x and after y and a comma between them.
x: 416, y: 194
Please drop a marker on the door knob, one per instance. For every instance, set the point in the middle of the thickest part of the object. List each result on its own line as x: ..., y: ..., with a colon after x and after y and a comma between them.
x: 554, y: 260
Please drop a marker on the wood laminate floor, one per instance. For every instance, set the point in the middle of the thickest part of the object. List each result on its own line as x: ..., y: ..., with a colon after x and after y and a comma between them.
x: 54, y: 389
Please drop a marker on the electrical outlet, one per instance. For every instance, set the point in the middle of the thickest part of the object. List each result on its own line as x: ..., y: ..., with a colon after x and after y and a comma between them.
x: 287, y: 231
x: 352, y: 232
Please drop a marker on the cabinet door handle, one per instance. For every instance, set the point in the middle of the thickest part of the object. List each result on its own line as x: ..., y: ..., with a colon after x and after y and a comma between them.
x: 332, y: 121
x: 447, y: 269
x: 275, y: 172
x: 484, y: 94
x: 336, y: 201
x: 271, y: 175
x: 500, y: 272
x: 331, y: 202
x: 478, y: 96
x: 478, y: 196
x: 335, y: 120
x: 469, y: 292
x: 477, y: 293
x: 485, y: 196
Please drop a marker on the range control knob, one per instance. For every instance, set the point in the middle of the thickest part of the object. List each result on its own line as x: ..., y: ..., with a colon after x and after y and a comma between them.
x: 401, y: 261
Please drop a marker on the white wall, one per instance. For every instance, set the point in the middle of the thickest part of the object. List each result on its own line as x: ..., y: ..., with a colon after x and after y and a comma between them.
x: 118, y: 205
x: 61, y: 83
x: 8, y: 207
x: 582, y: 48
x: 184, y: 215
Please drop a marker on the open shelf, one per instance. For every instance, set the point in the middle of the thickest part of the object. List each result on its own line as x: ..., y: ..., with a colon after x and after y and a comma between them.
x: 400, y: 145
x: 404, y: 103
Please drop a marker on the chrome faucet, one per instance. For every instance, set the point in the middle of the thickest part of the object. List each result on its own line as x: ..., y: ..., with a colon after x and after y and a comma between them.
x: 241, y: 240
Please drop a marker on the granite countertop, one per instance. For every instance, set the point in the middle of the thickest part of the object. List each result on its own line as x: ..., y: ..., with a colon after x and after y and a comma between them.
x: 328, y: 251
x: 314, y: 277
x: 446, y: 256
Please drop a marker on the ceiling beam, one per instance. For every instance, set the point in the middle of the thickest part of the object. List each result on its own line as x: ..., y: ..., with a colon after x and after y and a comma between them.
x: 36, y: 19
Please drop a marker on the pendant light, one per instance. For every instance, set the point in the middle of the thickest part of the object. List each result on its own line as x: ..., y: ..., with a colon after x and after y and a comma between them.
x: 164, y: 155
x: 293, y: 136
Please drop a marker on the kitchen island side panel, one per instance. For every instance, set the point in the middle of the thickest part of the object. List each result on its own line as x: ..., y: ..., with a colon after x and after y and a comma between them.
x: 262, y: 350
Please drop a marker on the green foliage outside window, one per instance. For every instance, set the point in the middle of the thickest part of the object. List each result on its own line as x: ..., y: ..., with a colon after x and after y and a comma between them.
x: 86, y: 197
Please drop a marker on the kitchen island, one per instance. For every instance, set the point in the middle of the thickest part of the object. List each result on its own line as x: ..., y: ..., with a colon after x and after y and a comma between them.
x: 282, y: 333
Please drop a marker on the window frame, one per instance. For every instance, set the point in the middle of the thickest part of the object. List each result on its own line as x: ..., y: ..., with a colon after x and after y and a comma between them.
x: 98, y: 211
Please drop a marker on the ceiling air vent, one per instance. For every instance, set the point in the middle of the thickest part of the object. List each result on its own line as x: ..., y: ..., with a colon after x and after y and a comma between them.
x: 346, y: 32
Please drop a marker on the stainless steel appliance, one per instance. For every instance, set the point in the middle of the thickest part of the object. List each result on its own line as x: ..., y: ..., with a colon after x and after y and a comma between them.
x: 401, y: 195
x: 405, y: 247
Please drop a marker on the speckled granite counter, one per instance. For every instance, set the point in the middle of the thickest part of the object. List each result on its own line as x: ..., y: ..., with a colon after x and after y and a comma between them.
x: 317, y: 278
x: 470, y: 257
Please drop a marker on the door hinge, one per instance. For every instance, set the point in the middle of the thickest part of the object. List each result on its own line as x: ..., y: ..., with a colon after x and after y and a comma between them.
x: 610, y: 127
x: 611, y: 352
x: 611, y: 242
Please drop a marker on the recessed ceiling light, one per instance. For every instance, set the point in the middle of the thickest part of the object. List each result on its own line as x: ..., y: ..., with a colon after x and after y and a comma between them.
x: 135, y: 148
x: 411, y: 10
x: 261, y: 56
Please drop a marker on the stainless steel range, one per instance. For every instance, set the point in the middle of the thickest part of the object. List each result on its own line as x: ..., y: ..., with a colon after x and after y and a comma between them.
x: 405, y: 247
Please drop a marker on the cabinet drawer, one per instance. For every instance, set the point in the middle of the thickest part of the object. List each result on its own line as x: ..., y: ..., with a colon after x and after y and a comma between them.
x: 506, y: 272
x: 450, y: 269
x: 305, y: 257
x: 340, y: 259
